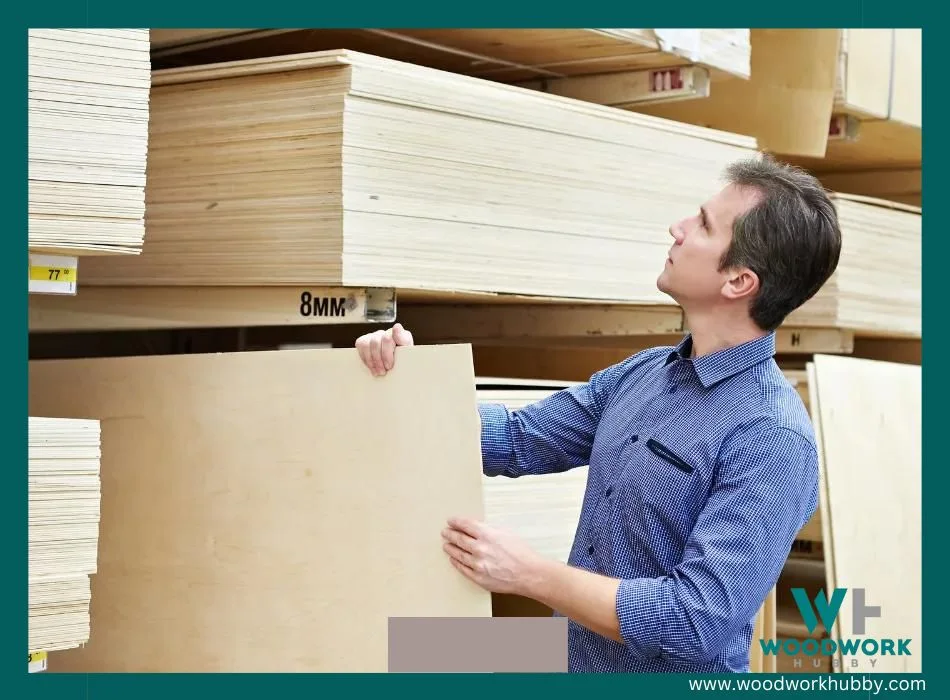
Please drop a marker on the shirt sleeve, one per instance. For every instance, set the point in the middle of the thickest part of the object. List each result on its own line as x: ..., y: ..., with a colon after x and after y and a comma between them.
x: 551, y: 435
x: 766, y: 490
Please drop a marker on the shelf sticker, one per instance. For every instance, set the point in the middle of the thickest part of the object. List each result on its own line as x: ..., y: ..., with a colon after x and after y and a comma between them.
x: 37, y: 661
x: 53, y: 274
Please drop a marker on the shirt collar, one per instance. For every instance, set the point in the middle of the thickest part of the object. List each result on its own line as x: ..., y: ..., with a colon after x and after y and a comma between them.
x: 725, y: 363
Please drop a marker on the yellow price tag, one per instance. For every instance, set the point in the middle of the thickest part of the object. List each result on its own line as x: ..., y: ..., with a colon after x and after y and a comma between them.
x: 49, y: 273
x: 37, y: 661
x: 53, y: 274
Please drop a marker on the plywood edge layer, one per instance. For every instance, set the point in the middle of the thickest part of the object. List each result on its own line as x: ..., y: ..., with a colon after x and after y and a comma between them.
x: 250, y: 67
x: 877, y: 202
x: 358, y: 60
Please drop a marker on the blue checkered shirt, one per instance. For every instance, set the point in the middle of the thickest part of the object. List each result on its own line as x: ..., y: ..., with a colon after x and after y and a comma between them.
x: 702, y: 471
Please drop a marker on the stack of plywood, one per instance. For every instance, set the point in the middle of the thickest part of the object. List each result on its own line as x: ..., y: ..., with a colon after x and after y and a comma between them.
x: 63, y: 529
x: 542, y: 509
x: 876, y: 289
x: 904, y: 185
x: 342, y: 168
x: 88, y: 139
x: 728, y: 50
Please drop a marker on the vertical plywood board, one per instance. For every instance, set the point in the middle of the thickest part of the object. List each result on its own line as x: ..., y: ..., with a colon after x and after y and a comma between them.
x: 268, y: 511
x: 907, y: 87
x: 868, y: 416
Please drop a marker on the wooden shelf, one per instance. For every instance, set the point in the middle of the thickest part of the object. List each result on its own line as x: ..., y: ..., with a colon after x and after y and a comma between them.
x: 142, y: 308
x: 504, y: 55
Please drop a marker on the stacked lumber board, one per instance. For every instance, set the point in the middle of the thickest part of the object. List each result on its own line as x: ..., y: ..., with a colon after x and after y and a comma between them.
x: 88, y: 139
x: 728, y: 50
x: 63, y: 529
x: 253, y: 520
x: 876, y: 288
x: 346, y: 169
x: 904, y: 185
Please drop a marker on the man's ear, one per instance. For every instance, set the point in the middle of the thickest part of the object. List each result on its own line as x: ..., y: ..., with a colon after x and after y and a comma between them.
x: 741, y: 283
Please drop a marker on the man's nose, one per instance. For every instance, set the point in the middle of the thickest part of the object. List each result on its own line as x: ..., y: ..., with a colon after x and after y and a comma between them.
x: 676, y: 231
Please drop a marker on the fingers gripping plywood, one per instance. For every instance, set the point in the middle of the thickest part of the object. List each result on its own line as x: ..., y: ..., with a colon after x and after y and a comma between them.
x: 269, y: 511
x: 868, y: 417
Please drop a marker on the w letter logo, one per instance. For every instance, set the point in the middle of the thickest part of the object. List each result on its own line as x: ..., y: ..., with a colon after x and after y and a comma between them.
x: 828, y: 610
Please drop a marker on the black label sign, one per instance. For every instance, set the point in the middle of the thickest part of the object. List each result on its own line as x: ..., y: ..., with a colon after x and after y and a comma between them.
x: 311, y: 306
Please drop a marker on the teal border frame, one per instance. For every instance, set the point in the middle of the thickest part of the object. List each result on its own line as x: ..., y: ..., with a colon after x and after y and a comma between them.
x: 487, y: 13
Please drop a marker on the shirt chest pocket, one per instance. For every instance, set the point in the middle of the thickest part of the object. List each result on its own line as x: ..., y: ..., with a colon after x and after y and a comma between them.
x: 665, y: 482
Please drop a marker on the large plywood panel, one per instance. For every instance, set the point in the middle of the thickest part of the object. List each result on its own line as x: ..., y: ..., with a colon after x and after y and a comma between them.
x: 868, y: 419
x: 268, y: 511
x: 341, y: 168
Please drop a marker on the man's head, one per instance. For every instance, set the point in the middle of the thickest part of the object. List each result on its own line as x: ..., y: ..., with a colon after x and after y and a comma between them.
x: 768, y: 241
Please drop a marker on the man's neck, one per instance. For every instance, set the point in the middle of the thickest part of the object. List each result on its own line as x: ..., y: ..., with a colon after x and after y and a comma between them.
x: 713, y: 332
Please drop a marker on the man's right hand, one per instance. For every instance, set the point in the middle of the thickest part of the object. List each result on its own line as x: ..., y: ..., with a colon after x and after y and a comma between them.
x: 378, y: 349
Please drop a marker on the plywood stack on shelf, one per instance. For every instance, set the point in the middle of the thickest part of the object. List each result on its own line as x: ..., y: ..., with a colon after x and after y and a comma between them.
x: 901, y: 185
x: 725, y: 50
x: 88, y: 140
x: 63, y: 529
x: 876, y: 289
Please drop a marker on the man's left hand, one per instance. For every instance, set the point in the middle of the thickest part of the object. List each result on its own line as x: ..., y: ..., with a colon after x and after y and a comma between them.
x: 496, y: 560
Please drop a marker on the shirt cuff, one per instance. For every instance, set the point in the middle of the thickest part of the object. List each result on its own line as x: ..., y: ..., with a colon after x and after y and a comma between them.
x: 496, y: 438
x: 641, y: 610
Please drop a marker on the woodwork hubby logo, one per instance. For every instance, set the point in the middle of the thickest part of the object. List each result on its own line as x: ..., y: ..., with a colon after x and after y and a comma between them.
x: 809, y: 651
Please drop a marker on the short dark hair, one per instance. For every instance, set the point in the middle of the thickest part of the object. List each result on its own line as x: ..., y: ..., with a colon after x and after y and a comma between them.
x: 791, y: 238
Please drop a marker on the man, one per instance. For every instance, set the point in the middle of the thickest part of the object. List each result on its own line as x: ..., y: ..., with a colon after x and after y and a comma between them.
x: 703, y: 464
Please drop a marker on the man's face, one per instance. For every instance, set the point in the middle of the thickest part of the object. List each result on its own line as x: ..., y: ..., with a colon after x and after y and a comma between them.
x: 691, y: 273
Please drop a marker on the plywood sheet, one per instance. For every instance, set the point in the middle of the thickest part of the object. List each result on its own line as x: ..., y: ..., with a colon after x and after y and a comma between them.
x: 868, y: 419
x: 268, y: 511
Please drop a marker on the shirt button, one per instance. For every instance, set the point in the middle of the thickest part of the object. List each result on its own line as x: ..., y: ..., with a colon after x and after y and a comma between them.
x: 634, y: 438
x: 609, y: 491
x: 590, y: 550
